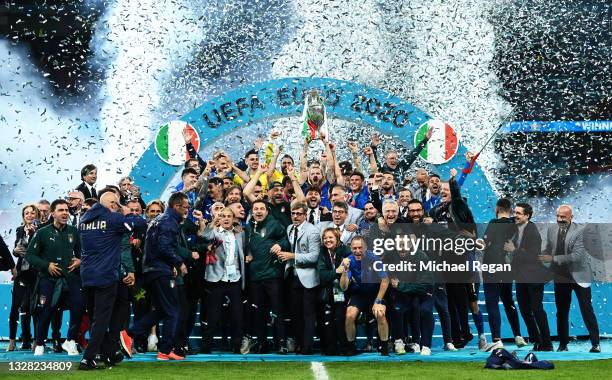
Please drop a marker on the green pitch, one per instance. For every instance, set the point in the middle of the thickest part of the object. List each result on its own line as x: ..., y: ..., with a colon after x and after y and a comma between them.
x: 335, y: 371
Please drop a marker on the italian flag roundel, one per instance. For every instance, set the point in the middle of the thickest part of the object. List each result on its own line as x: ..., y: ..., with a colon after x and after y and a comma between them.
x: 170, y: 144
x: 442, y: 145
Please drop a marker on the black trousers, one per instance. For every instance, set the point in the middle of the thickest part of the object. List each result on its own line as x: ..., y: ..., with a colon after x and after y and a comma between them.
x: 331, y: 325
x: 140, y: 307
x: 194, y: 294
x: 563, y: 299
x: 215, y: 296
x: 100, y: 304
x: 262, y: 293
x: 120, y: 318
x: 23, y: 289
x: 458, y: 310
x: 530, y: 297
x: 183, y: 328
x: 304, y: 313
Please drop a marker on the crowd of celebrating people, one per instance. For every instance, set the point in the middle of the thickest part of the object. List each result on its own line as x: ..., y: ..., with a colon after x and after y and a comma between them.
x: 266, y: 246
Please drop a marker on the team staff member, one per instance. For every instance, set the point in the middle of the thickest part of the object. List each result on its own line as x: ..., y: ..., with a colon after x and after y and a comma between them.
x: 160, y: 264
x: 364, y: 296
x: 333, y: 336
x: 266, y: 237
x: 572, y: 272
x: 55, y: 250
x: 24, y: 281
x: 102, y: 230
x: 531, y: 275
x: 225, y: 278
x: 302, y: 275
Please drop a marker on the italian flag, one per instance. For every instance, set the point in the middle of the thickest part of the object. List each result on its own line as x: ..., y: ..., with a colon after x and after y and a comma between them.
x: 170, y: 143
x: 442, y: 145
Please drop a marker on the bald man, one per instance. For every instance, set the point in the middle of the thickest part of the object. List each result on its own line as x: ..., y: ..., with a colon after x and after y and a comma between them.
x: 571, y: 272
x: 102, y: 229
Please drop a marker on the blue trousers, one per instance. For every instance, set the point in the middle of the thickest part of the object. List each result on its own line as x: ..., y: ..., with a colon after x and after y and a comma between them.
x: 420, y: 309
x: 45, y: 311
x: 164, y: 296
x: 441, y: 303
x: 493, y: 292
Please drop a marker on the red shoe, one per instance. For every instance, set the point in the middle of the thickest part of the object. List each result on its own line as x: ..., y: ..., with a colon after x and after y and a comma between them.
x: 174, y: 356
x: 170, y: 356
x: 126, y: 342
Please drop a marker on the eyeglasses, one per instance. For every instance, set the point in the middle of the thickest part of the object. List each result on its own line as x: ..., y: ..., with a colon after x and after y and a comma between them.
x: 296, y: 213
x: 338, y: 212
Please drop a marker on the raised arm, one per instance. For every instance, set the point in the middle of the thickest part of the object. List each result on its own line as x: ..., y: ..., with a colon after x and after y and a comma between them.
x: 371, y: 155
x: 304, y: 163
x: 407, y: 162
x: 297, y: 189
x: 248, y: 188
x: 191, y: 149
x: 355, y: 153
x: 332, y: 162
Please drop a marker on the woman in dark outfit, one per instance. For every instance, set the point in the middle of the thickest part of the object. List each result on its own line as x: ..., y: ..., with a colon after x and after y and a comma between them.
x: 333, y: 300
x: 23, y: 285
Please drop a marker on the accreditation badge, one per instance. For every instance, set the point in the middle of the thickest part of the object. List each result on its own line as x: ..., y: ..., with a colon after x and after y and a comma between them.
x: 43, y: 300
x: 70, y: 238
x: 263, y: 232
x: 172, y: 284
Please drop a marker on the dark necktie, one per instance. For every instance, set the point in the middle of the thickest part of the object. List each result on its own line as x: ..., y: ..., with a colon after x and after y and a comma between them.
x: 311, y: 217
x: 561, y: 242
x: 423, y: 194
x: 295, y: 236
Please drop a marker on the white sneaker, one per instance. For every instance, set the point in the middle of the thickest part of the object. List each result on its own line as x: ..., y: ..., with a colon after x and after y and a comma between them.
x: 39, y: 351
x: 70, y: 347
x: 425, y: 351
x: 152, y: 343
x: 414, y: 347
x: 290, y: 345
x: 482, y: 342
x: 399, y: 347
x: 494, y: 345
x: 520, y: 342
x: 450, y: 347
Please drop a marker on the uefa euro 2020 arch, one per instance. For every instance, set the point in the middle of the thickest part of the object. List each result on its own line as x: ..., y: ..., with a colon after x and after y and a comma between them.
x: 281, y: 98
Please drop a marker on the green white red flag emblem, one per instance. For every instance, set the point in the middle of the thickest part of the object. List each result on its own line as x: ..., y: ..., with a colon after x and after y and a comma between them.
x: 443, y: 144
x: 170, y: 143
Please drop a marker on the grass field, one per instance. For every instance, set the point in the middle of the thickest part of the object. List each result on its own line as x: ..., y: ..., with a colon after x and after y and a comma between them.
x: 593, y: 369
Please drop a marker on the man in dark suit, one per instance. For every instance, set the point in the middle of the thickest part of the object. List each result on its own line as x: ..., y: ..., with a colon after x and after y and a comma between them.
x: 571, y: 272
x: 316, y: 213
x: 525, y: 247
x: 89, y: 176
